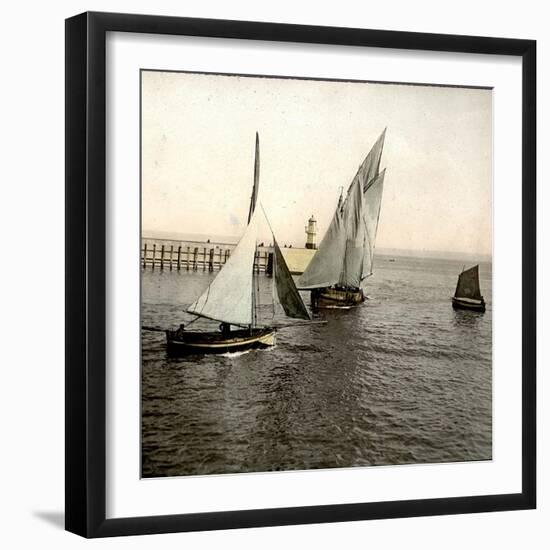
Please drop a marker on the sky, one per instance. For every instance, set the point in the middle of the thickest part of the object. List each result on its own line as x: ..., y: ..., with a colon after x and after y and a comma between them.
x: 198, y: 139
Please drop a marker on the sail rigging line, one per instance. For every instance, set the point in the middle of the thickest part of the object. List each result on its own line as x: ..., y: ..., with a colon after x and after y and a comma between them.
x: 197, y: 317
x: 267, y: 220
x: 205, y: 302
x: 210, y: 318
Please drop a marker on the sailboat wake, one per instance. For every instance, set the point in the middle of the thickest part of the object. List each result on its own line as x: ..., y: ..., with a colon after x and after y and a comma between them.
x: 235, y: 354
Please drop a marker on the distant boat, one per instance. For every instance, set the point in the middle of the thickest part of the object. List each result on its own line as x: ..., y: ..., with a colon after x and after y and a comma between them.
x: 232, y: 297
x: 344, y: 258
x: 467, y: 294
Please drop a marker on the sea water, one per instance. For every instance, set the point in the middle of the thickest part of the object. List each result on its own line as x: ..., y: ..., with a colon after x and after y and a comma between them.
x: 401, y: 379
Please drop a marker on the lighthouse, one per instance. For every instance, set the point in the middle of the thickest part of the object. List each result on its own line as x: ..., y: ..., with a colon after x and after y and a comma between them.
x: 311, y: 232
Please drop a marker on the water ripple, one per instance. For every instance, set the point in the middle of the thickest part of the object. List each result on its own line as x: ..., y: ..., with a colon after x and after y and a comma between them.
x: 401, y: 379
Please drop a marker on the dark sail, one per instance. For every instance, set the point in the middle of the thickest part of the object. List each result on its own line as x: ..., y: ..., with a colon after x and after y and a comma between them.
x: 468, y: 284
x: 256, y: 185
x: 287, y: 292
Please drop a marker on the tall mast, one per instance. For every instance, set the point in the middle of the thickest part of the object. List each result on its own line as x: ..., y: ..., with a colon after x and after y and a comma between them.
x: 253, y: 315
x: 256, y: 184
x: 253, y: 198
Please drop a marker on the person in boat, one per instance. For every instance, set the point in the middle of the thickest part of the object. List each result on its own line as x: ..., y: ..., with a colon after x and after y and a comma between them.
x: 225, y: 329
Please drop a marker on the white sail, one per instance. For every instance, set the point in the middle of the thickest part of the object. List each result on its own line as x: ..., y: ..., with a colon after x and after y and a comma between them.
x: 356, y: 237
x: 325, y: 267
x: 345, y: 254
x: 228, y: 298
x: 373, y: 201
x: 371, y: 165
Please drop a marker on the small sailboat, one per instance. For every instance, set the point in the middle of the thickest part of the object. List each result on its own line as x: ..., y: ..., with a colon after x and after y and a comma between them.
x: 232, y: 297
x: 467, y: 293
x: 345, y: 256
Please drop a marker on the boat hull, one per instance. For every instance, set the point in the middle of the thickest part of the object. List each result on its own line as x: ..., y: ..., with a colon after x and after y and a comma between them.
x: 334, y: 298
x: 468, y: 304
x: 198, y: 343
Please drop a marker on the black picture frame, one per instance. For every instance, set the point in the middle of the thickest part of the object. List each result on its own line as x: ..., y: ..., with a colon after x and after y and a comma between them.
x: 85, y: 427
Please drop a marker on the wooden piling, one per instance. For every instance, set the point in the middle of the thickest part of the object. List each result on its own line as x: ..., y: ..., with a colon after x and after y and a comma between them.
x: 210, y: 257
x: 211, y: 260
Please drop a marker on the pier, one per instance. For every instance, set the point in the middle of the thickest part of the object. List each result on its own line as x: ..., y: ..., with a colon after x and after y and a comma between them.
x: 177, y: 255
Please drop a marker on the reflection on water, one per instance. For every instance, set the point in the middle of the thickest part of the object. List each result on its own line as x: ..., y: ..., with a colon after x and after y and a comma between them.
x: 463, y: 318
x: 402, y: 379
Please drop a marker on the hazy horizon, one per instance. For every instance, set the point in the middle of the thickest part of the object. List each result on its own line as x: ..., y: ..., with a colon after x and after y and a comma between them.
x: 198, y: 155
x: 233, y: 239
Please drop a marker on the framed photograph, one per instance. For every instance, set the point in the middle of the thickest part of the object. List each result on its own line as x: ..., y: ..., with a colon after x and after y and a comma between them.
x: 300, y: 274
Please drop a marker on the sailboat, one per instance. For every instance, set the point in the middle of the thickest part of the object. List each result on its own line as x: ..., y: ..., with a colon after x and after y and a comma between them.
x: 467, y: 293
x: 345, y: 256
x: 232, y: 297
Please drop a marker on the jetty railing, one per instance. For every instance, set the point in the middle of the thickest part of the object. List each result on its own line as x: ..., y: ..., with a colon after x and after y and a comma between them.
x: 197, y: 256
